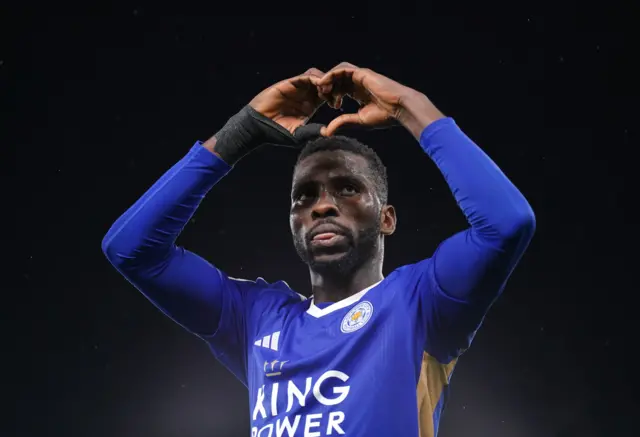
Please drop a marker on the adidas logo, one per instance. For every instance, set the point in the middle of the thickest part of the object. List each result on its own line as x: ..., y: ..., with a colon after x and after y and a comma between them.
x: 269, y: 341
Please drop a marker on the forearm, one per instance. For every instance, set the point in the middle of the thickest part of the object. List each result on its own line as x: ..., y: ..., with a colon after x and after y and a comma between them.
x: 490, y: 202
x: 141, y: 244
x: 150, y: 227
x: 147, y: 231
x: 480, y: 259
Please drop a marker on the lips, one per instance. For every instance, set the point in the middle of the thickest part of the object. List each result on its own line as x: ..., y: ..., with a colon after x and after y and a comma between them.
x: 325, y: 232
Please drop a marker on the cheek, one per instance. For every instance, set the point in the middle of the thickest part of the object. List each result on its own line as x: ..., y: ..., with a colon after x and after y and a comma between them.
x: 295, y: 223
x: 363, y: 212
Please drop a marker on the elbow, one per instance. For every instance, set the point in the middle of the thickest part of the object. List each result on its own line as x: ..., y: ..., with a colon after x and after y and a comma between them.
x: 520, y: 224
x: 132, y: 255
x: 121, y: 255
x: 108, y: 247
x: 111, y: 251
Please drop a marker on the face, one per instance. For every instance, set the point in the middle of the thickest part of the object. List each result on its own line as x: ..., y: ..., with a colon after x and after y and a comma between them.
x: 336, y: 217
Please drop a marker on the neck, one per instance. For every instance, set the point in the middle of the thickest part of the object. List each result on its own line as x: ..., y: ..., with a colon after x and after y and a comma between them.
x: 327, y: 287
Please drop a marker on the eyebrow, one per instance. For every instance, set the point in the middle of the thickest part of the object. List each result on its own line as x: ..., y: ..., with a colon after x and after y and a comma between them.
x: 306, y: 181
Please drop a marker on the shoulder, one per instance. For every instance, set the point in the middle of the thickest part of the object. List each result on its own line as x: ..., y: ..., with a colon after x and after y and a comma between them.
x: 411, y: 282
x: 270, y: 305
x: 412, y: 274
x: 267, y: 294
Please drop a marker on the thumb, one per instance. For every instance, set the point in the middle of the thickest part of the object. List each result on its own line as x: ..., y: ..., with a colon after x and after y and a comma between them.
x: 307, y: 132
x: 336, y: 123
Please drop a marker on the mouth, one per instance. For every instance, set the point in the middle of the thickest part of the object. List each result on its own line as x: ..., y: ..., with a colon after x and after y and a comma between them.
x: 326, y: 239
x: 326, y: 235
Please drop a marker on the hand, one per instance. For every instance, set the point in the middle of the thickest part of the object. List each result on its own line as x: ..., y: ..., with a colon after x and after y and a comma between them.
x: 278, y: 115
x: 382, y: 99
x: 290, y: 102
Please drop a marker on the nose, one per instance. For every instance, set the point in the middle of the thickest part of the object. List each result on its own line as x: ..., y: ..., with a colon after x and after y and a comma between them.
x: 324, y: 207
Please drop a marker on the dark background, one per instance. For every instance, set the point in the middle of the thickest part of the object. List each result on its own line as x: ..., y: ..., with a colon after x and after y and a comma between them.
x: 95, y: 107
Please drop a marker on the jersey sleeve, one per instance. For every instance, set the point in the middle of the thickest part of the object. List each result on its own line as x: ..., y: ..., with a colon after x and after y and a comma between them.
x: 454, y: 289
x: 185, y: 287
x: 207, y: 303
x: 231, y: 340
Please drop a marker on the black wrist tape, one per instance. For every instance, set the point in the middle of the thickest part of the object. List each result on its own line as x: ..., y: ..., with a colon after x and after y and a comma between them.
x: 248, y: 129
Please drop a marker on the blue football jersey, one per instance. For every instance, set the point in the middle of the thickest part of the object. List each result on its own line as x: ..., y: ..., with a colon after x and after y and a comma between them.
x: 375, y: 364
x: 358, y: 367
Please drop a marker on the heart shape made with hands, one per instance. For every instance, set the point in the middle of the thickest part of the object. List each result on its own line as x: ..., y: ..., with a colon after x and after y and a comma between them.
x: 292, y: 102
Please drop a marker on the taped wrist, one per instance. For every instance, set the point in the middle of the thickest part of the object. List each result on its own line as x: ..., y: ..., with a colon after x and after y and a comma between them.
x: 248, y: 129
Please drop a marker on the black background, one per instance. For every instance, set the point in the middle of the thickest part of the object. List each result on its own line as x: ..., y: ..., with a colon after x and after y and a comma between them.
x: 96, y: 106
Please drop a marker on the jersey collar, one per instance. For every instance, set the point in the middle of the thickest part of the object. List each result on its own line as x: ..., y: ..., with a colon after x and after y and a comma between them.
x: 320, y: 312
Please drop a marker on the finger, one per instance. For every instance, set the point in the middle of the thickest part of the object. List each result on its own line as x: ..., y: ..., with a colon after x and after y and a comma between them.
x: 342, y: 65
x: 333, y: 87
x: 335, y: 100
x: 304, y: 81
x: 324, y: 88
x: 330, y: 76
x: 302, y: 88
x: 364, y: 75
x: 354, y: 83
x: 341, y: 121
x: 307, y: 132
x: 340, y: 83
x: 313, y: 72
x: 338, y: 70
x: 359, y: 90
x: 306, y: 96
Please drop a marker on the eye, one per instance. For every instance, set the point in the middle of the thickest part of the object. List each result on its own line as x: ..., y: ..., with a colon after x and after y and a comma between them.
x: 348, y: 190
x: 303, y: 195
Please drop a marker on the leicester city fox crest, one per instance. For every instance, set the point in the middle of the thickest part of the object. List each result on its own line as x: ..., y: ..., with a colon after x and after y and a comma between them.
x: 357, y: 317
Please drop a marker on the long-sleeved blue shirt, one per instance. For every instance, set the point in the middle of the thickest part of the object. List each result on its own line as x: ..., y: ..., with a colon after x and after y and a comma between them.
x: 398, y: 339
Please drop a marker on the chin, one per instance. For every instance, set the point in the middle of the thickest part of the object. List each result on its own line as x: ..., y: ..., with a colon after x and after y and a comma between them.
x: 329, y: 258
x: 335, y: 263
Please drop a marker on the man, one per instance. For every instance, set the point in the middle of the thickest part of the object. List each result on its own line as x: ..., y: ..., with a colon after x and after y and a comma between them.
x: 366, y: 355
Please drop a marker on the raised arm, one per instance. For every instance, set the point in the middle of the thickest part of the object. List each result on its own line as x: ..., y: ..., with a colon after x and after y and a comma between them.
x: 455, y: 287
x: 470, y: 269
x: 141, y: 243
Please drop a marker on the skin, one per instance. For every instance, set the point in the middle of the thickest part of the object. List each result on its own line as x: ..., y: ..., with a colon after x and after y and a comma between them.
x: 290, y: 102
x: 381, y: 99
x: 338, y: 187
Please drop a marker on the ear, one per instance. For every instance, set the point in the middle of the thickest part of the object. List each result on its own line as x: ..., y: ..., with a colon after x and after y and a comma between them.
x: 388, y: 220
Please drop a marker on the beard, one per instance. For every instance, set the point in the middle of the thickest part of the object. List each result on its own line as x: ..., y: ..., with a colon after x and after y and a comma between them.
x: 345, y: 259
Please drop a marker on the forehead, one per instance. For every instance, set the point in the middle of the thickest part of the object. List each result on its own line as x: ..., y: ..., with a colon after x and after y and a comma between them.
x: 331, y: 163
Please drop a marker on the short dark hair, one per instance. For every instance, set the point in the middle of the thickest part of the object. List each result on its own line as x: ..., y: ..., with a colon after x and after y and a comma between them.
x: 348, y: 144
